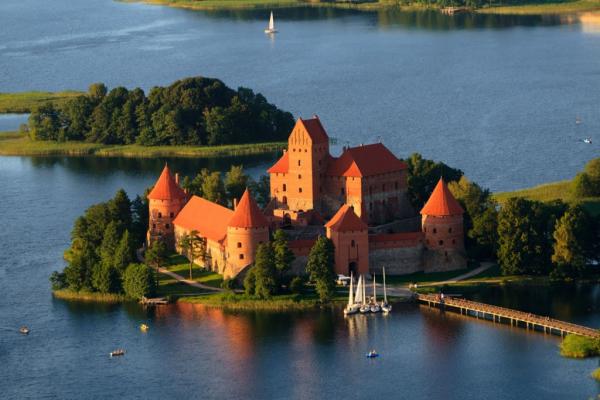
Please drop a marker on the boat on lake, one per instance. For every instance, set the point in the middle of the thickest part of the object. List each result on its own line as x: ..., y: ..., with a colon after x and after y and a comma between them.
x: 351, y: 307
x: 271, y: 28
x: 144, y: 328
x: 24, y: 330
x: 117, y: 353
x: 587, y: 140
x: 374, y: 307
x: 364, y: 306
x: 372, y: 354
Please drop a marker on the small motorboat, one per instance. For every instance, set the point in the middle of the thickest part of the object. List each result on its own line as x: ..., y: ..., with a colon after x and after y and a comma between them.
x: 144, y: 328
x: 117, y: 353
x: 587, y: 140
x: 24, y: 330
x: 577, y: 120
x: 372, y: 354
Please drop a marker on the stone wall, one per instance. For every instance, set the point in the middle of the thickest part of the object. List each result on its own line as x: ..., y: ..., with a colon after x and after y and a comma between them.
x: 397, y: 260
x: 450, y: 260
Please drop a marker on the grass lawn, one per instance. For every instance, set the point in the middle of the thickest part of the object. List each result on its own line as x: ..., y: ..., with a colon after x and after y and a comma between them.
x: 181, y: 266
x: 552, y: 191
x: 24, y: 102
x: 541, y: 7
x: 15, y: 144
x: 422, y: 277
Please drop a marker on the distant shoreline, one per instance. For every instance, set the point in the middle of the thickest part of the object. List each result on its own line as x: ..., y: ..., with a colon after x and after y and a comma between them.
x: 569, y: 7
x: 16, y: 144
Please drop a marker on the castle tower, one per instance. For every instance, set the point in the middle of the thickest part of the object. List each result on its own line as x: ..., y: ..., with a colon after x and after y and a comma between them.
x: 350, y: 237
x: 296, y: 181
x: 247, y: 229
x: 165, y: 201
x: 442, y: 224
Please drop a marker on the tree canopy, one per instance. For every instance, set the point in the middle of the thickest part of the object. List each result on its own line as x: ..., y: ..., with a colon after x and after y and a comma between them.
x: 191, y: 111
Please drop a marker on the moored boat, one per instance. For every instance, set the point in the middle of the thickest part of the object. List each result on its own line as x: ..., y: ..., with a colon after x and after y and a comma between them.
x: 374, y: 308
x: 351, y: 307
x: 118, y: 352
x: 385, y: 306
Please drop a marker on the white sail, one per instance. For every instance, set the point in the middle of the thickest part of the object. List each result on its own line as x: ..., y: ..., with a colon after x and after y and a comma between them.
x: 358, y: 298
x: 271, y: 22
x: 364, y: 292
x: 350, y: 293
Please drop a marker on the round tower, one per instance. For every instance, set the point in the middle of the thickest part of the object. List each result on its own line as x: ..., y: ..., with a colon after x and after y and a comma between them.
x: 442, y: 221
x: 247, y: 229
x: 165, y: 201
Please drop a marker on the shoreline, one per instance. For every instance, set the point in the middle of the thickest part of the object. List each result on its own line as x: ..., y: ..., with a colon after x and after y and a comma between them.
x: 560, y: 8
x: 15, y: 144
x: 90, y: 297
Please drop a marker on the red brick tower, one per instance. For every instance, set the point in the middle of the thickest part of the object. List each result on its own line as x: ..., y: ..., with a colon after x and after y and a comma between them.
x: 247, y: 229
x: 351, y: 240
x: 442, y: 221
x: 165, y: 201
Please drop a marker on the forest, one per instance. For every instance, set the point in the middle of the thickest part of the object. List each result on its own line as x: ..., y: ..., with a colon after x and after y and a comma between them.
x: 191, y: 111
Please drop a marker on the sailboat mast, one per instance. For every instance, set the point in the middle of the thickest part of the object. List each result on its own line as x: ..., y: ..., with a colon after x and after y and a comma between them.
x: 351, y: 294
x: 364, y: 292
x: 384, y: 288
x: 374, y: 290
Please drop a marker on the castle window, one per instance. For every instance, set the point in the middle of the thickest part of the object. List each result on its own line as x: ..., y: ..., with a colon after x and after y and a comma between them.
x: 172, y: 215
x: 342, y: 191
x: 284, y: 187
x: 284, y: 200
x: 434, y: 230
x: 396, y: 185
x: 241, y: 256
x: 424, y: 229
x: 441, y: 242
x: 371, y: 206
x: 167, y: 226
x: 352, y: 243
x: 299, y: 190
x: 239, y: 244
x: 319, y: 162
x: 299, y: 162
x: 449, y: 230
x: 153, y: 226
x: 299, y: 176
x: 159, y: 215
x: 453, y: 241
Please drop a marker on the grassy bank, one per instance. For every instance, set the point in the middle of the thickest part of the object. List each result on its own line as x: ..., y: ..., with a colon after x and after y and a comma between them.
x: 13, y: 144
x: 558, y: 7
x: 67, y: 294
x: 284, y: 302
x: 575, y: 346
x: 552, y: 191
x: 24, y: 102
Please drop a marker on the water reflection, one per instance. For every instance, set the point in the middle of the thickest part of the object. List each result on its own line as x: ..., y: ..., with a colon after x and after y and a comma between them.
x: 396, y: 18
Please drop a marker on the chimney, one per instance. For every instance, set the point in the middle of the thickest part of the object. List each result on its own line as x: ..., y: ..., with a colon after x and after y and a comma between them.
x: 177, y: 178
x: 234, y: 204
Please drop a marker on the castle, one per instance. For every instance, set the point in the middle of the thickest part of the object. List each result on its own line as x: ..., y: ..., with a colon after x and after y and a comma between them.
x: 358, y: 200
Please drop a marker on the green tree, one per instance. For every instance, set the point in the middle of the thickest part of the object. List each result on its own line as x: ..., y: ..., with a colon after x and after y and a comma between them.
x: 261, y: 189
x: 97, y: 92
x: 109, y: 244
x: 572, y: 244
x: 283, y: 256
x: 423, y: 175
x: 582, y: 185
x: 120, y: 209
x: 124, y: 253
x: 156, y: 256
x: 138, y: 281
x: 264, y: 271
x: 250, y: 282
x: 236, y: 182
x: 193, y: 247
x: 106, y: 279
x: 320, y: 267
x: 213, y: 188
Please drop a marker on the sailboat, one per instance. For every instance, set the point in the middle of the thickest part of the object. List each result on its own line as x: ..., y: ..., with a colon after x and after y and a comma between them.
x: 351, y: 308
x: 374, y: 306
x: 385, y: 307
x: 364, y: 307
x: 271, y: 28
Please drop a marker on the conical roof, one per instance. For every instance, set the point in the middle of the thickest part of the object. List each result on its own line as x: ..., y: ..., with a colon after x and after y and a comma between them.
x: 247, y: 214
x: 166, y: 188
x: 442, y: 202
x: 346, y: 220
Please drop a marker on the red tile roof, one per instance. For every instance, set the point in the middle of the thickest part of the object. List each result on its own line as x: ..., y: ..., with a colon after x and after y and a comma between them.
x: 281, y: 166
x: 372, y: 159
x: 208, y: 218
x: 166, y: 188
x: 346, y: 220
x: 315, y: 129
x: 247, y: 214
x: 442, y: 202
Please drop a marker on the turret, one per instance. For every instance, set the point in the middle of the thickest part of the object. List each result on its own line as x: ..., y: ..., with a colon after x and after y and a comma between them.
x: 247, y: 228
x: 442, y: 220
x: 165, y: 201
x: 350, y: 238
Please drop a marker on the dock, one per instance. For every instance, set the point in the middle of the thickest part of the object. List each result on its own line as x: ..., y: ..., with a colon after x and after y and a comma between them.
x: 154, y: 301
x: 454, y: 10
x: 507, y: 316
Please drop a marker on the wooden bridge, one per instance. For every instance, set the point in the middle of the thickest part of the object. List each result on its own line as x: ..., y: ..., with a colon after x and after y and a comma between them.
x: 507, y: 315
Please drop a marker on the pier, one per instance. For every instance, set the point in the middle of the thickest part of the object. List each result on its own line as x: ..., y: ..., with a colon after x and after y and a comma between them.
x: 507, y: 316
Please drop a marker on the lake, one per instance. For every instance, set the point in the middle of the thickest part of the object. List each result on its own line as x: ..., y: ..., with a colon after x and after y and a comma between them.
x: 496, y: 96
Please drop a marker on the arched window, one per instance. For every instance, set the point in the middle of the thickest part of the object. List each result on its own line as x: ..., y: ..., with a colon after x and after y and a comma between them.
x: 159, y: 215
x: 299, y: 190
x: 434, y: 230
x: 241, y: 256
x: 352, y: 244
x: 441, y: 242
x: 284, y: 187
x: 239, y: 244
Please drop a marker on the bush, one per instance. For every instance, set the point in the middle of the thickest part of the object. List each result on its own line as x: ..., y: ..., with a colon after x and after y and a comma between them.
x: 576, y: 346
x: 138, y: 281
x: 596, y: 374
x: 228, y: 284
x: 250, y: 282
x: 582, y: 186
x: 58, y: 280
x: 297, y: 285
